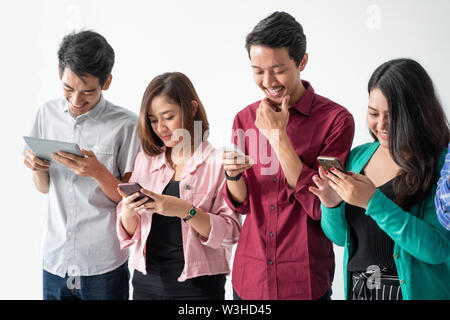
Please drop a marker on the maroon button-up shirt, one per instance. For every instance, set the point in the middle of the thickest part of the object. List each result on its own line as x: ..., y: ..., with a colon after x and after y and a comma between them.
x: 282, y: 251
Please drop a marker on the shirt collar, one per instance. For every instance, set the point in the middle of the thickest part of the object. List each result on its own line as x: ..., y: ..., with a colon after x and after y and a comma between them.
x: 305, y: 103
x: 201, y: 154
x: 94, y: 113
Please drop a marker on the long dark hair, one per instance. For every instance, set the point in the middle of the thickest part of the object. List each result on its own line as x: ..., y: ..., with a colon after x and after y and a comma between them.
x: 418, y: 127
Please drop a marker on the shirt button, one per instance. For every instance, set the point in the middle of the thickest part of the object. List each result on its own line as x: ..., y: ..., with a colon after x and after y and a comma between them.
x: 274, y: 179
x: 270, y: 234
x: 395, y: 256
x: 402, y: 281
x: 270, y: 262
x: 188, y: 187
x: 272, y: 207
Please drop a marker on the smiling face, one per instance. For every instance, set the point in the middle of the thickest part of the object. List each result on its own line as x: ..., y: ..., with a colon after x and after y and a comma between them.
x: 276, y: 73
x: 165, y: 117
x: 82, y: 94
x: 378, y: 116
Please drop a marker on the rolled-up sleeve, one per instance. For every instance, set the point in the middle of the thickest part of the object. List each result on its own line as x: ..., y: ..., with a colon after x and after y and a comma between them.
x: 337, y: 144
x: 225, y: 223
x: 124, y: 238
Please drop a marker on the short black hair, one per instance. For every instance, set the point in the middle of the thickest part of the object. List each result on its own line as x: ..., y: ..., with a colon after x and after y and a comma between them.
x: 279, y: 30
x: 86, y: 52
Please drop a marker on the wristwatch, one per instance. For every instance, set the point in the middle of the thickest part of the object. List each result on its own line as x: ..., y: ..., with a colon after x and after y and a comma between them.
x: 192, y: 212
x: 232, y: 178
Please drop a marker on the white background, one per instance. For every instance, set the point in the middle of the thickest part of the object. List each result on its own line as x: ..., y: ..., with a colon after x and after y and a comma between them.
x: 204, y: 39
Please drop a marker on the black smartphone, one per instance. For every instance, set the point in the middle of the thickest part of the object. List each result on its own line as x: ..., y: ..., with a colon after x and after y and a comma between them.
x: 330, y: 162
x: 133, y: 187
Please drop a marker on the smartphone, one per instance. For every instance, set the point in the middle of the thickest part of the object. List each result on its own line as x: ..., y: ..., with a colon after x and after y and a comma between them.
x: 133, y: 187
x: 240, y: 154
x: 331, y: 162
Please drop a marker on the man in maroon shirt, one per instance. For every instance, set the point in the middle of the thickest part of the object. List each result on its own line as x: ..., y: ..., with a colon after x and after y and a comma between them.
x: 282, y: 252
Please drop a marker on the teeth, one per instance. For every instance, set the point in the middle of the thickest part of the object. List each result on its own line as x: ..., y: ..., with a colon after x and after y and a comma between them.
x: 274, y: 91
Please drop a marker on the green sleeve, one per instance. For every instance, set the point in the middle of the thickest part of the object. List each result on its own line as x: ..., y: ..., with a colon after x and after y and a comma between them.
x: 423, y: 238
x: 334, y: 224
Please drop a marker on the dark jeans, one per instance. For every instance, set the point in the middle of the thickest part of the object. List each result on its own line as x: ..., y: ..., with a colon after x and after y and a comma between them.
x: 112, y: 285
x: 326, y: 296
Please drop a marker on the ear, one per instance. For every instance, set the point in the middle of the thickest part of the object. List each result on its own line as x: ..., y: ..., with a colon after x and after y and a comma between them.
x: 194, y: 107
x: 107, y: 83
x: 303, y: 63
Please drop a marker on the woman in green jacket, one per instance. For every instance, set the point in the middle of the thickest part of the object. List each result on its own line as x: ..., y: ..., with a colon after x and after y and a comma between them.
x: 382, y: 210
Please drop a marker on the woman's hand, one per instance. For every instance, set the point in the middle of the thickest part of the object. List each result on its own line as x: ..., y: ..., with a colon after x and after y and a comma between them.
x: 129, y: 206
x: 166, y: 205
x: 324, y: 191
x: 353, y: 188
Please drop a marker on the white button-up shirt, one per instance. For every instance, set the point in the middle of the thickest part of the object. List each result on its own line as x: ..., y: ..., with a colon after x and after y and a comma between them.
x: 80, y: 229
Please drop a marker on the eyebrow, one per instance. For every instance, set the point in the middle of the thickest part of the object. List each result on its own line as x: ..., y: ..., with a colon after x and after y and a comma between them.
x: 271, y: 67
x: 162, y: 113
x: 89, y: 90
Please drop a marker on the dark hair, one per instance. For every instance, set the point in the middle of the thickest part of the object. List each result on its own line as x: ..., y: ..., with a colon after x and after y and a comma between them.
x: 176, y: 87
x: 279, y: 30
x: 86, y: 52
x: 418, y: 128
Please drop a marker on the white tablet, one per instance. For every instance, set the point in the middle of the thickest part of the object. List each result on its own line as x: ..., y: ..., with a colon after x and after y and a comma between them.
x: 44, y: 148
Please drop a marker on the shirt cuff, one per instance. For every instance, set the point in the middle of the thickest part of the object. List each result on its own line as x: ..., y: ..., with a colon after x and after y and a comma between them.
x: 217, y: 233
x: 244, y: 207
x: 124, y: 238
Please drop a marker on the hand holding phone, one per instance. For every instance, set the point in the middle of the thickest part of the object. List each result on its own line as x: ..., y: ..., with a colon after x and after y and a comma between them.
x: 330, y: 162
x: 131, y: 188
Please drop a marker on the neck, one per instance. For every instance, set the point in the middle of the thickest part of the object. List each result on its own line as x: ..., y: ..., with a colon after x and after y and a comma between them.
x: 298, y: 94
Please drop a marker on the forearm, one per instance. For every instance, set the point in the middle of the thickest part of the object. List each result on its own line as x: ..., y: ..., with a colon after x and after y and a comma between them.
x: 289, y: 159
x: 129, y: 223
x: 237, y: 190
x: 201, y: 223
x: 41, y: 180
x: 108, y: 183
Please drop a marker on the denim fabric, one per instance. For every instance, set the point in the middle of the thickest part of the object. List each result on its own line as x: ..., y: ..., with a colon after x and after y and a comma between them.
x: 113, y: 285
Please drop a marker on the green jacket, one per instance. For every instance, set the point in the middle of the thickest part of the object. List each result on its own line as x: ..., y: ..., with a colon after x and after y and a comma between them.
x: 422, y: 245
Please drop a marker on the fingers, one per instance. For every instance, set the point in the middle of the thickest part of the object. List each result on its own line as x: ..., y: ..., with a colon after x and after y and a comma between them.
x: 321, y: 183
x: 34, y: 163
x: 285, y: 103
x: 69, y: 156
x: 339, y: 173
x: 151, y: 194
x: 88, y: 153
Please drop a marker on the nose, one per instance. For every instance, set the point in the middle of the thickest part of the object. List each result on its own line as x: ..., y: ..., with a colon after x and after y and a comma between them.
x: 161, y: 126
x: 383, y: 123
x: 267, y: 79
x: 77, y: 99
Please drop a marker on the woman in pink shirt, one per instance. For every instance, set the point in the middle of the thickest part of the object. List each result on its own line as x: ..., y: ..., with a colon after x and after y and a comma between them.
x: 184, y: 236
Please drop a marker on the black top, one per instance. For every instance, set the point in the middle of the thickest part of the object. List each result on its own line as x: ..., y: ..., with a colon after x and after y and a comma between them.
x: 164, y: 243
x: 372, y: 245
x: 165, y: 261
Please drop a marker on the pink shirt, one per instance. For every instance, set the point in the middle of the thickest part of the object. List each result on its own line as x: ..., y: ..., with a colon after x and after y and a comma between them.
x: 201, y: 184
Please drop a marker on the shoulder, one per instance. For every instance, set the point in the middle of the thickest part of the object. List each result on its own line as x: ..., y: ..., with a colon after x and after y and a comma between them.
x: 248, y: 112
x: 53, y: 105
x: 361, y: 152
x: 331, y: 108
x: 120, y: 114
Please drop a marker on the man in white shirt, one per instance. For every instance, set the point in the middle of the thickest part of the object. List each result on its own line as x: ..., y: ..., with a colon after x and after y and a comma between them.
x: 82, y: 256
